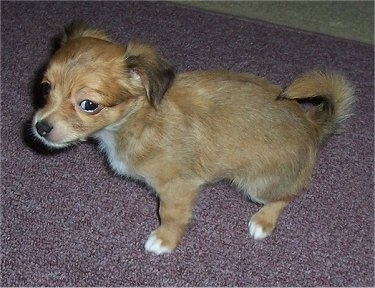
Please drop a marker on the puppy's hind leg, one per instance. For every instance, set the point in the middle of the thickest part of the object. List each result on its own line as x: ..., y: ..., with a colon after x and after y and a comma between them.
x: 260, y: 190
x: 264, y: 221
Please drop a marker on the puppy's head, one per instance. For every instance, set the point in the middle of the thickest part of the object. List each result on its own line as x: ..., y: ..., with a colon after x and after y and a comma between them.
x: 91, y: 83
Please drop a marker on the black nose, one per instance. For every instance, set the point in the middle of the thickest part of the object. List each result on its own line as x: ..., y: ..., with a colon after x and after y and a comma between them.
x: 43, y: 128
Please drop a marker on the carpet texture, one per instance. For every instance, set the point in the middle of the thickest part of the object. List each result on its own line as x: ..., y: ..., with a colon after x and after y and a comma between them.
x: 68, y: 221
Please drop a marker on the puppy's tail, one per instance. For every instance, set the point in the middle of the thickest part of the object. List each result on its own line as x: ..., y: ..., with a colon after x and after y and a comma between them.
x: 331, y: 97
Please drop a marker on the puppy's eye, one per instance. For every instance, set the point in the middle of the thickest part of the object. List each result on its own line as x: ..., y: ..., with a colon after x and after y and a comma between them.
x: 89, y: 106
x: 45, y: 89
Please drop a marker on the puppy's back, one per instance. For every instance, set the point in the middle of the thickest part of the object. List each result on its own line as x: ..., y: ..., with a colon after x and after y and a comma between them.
x: 238, y: 121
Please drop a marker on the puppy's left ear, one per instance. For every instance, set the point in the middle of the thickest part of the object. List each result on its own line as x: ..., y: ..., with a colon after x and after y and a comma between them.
x: 153, y: 72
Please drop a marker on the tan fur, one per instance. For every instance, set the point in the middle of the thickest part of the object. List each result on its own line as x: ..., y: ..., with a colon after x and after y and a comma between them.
x: 177, y: 133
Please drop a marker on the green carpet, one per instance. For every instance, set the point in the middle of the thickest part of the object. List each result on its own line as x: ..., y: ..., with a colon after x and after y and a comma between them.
x: 352, y: 20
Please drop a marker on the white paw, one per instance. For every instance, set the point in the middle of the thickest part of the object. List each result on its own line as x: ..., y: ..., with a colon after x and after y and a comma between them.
x: 257, y: 231
x: 153, y: 244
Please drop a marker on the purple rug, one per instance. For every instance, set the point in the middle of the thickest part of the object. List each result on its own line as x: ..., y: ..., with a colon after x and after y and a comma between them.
x: 68, y: 221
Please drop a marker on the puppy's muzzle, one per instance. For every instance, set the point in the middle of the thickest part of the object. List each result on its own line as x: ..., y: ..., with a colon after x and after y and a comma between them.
x: 43, y: 128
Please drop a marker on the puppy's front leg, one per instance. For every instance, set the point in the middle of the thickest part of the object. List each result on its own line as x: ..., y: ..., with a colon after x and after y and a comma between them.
x: 176, y: 203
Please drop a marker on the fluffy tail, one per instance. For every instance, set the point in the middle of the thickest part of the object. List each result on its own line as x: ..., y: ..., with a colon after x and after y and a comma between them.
x: 331, y: 96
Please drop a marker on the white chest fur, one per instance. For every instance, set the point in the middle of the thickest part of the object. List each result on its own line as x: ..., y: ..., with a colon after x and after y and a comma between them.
x: 117, y: 161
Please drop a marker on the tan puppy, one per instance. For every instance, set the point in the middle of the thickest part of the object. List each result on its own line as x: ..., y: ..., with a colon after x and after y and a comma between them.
x: 177, y: 133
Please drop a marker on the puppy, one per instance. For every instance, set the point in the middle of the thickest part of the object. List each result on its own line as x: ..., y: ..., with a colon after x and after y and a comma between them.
x: 179, y: 132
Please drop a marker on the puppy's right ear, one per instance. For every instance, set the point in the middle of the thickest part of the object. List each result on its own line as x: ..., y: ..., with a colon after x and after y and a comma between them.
x: 78, y: 29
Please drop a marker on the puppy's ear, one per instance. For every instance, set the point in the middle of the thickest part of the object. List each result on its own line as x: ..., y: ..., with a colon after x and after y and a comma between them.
x: 78, y: 29
x: 153, y: 72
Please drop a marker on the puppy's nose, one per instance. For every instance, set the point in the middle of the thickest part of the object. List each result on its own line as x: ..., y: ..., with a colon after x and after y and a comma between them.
x: 43, y: 128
